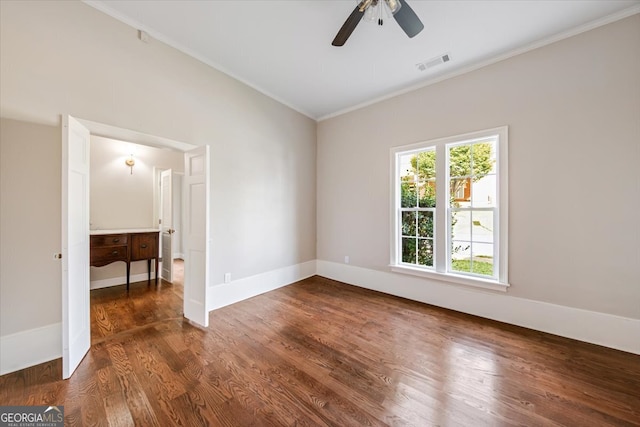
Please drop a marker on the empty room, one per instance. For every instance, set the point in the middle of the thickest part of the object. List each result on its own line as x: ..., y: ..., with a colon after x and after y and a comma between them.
x: 320, y: 213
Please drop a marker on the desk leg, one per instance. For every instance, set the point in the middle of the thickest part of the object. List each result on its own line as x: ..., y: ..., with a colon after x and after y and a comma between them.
x: 128, y: 271
x: 149, y: 270
x: 156, y: 270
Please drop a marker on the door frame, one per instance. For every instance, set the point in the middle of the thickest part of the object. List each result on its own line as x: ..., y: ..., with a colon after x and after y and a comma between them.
x: 156, y: 202
x: 122, y: 134
x: 167, y: 265
x: 157, y: 197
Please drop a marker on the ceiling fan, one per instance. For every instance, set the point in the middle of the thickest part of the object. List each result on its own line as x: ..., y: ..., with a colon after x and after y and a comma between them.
x: 403, y: 14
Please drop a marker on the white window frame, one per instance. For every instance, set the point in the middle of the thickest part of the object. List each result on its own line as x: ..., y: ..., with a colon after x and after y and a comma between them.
x: 441, y: 256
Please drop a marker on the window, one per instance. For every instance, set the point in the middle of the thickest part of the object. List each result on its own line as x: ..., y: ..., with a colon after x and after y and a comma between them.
x: 417, y: 207
x: 449, y: 209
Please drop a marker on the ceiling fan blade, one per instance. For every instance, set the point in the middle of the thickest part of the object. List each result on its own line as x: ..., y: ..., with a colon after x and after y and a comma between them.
x: 349, y: 25
x: 408, y: 20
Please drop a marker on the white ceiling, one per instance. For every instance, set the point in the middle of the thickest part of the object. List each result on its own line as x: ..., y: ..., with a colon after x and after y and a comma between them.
x: 283, y: 48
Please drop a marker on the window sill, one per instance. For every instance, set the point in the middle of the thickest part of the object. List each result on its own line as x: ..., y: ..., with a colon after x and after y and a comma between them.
x: 453, y: 278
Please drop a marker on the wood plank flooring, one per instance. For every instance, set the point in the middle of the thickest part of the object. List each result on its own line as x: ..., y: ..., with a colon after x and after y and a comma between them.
x: 116, y: 312
x: 323, y: 353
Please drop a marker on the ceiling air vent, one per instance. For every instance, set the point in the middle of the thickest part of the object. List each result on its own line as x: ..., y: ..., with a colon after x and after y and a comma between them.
x: 429, y: 63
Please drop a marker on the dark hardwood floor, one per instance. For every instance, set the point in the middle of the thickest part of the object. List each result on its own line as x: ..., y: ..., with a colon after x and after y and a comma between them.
x: 319, y: 353
x: 114, y: 312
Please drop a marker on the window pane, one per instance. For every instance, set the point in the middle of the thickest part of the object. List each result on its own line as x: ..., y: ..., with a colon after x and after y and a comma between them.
x: 461, y: 256
x: 408, y: 223
x: 425, y: 165
x: 482, y: 226
x: 425, y: 224
x: 460, y: 249
x: 425, y: 252
x: 484, y: 159
x: 461, y: 225
x: 408, y: 194
x: 460, y: 192
x: 460, y: 161
x: 406, y: 166
x: 409, y: 250
x: 482, y: 259
x: 427, y: 193
x: 463, y: 266
x: 483, y: 192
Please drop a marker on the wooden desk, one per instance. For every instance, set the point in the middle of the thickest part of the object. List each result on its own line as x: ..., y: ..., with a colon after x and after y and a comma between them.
x: 109, y: 246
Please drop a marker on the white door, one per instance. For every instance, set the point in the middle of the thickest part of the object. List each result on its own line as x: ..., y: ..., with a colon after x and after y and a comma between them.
x: 196, y: 234
x: 166, y: 224
x: 76, y: 326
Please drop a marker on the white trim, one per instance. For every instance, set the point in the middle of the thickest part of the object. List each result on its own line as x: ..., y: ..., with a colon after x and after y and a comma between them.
x: 133, y: 136
x: 608, y: 330
x: 29, y: 348
x: 156, y: 197
x: 452, y: 278
x: 122, y: 280
x: 228, y: 293
x: 535, y: 45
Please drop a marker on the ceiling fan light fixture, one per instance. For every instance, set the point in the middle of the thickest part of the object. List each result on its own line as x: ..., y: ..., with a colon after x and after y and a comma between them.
x: 364, y: 5
x: 393, y: 5
x: 406, y: 19
x: 371, y: 13
x: 377, y: 10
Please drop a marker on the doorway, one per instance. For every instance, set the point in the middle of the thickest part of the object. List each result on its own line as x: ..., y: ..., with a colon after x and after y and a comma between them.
x: 168, y: 214
x: 75, y: 225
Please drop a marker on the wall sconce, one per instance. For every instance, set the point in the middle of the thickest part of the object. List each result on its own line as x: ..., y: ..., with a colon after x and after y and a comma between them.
x: 130, y: 162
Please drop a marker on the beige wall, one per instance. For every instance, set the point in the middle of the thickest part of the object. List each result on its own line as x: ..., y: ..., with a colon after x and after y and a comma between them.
x: 573, y: 111
x: 119, y: 198
x: 62, y: 57
x: 30, y: 292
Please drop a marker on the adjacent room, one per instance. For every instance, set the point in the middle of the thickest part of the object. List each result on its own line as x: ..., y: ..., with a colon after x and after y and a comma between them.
x: 340, y: 213
x: 135, y: 219
x: 120, y: 199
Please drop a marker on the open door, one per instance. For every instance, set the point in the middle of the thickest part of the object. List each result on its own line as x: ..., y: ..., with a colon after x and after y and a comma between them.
x: 196, y: 234
x: 166, y: 224
x: 76, y: 326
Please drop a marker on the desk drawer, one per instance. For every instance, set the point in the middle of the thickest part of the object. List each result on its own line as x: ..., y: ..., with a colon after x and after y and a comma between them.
x: 107, y: 255
x: 144, y: 246
x: 108, y: 240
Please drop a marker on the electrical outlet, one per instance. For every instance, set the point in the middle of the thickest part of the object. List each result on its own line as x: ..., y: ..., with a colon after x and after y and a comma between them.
x: 57, y: 256
x: 346, y: 259
x: 227, y: 277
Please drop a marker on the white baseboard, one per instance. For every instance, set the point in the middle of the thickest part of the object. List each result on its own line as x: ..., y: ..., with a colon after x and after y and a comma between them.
x: 608, y: 330
x: 121, y: 280
x: 238, y: 290
x: 28, y: 348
